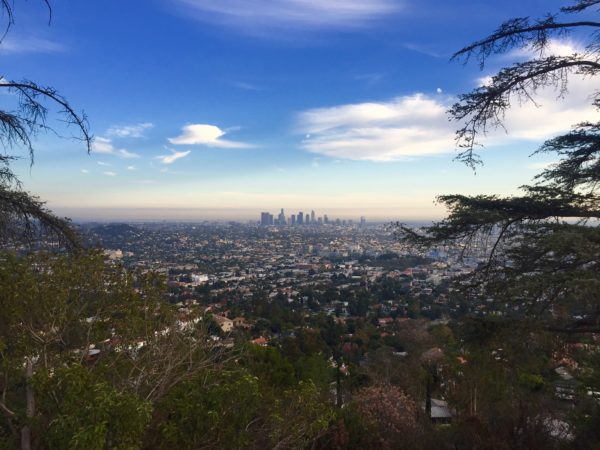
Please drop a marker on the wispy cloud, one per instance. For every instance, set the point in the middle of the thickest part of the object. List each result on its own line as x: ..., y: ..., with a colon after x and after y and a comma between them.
x: 203, y: 134
x: 423, y: 49
x: 131, y: 168
x: 405, y: 126
x: 131, y: 131
x: 370, y: 78
x: 264, y: 15
x: 14, y: 45
x: 85, y: 171
x: 127, y: 154
x: 418, y: 124
x: 245, y: 86
x: 106, y: 147
x: 102, y: 163
x: 110, y: 174
x: 174, y: 156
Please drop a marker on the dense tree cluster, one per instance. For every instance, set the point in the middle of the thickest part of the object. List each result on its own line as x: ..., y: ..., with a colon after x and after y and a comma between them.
x: 93, y: 357
x: 543, y: 245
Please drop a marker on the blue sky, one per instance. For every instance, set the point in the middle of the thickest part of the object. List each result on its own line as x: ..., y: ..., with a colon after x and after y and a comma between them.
x: 224, y: 108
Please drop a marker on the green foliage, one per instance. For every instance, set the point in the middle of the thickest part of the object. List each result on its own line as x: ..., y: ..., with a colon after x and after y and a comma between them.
x: 542, y: 245
x: 79, y: 411
x: 269, y: 366
x: 216, y: 411
x: 235, y: 410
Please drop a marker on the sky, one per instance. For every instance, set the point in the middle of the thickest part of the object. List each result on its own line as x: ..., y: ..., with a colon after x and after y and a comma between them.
x: 205, y: 109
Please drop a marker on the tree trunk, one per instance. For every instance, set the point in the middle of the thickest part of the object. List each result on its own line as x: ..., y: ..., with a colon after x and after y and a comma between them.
x: 30, y: 406
x: 338, y: 386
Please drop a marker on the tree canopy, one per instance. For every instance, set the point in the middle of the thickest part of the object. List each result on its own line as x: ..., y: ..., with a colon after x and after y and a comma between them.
x: 542, y: 246
x: 23, y: 217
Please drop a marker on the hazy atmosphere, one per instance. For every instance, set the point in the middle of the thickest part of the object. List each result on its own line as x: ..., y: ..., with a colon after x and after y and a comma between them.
x: 220, y: 109
x: 300, y: 225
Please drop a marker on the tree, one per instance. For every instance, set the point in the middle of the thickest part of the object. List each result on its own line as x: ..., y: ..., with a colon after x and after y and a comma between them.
x: 543, y: 247
x: 74, y: 317
x: 383, y: 416
x: 23, y: 217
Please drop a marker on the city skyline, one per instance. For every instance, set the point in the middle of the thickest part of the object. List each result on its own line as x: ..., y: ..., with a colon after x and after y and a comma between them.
x: 301, y: 218
x: 314, y: 104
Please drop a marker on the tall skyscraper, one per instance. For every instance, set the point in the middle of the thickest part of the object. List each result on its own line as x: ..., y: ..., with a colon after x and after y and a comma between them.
x: 325, y: 219
x: 300, y: 218
x: 264, y: 219
x: 281, y: 218
x: 312, y: 217
x: 293, y: 219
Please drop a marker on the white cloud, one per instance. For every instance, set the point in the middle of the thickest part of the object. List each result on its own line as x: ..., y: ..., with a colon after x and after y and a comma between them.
x: 262, y: 15
x: 203, y: 134
x: 105, y: 146
x: 102, y: 145
x: 131, y: 131
x: 418, y: 124
x: 174, y: 156
x: 555, y: 47
x: 403, y: 127
x: 110, y: 174
x: 85, y: 171
x: 102, y: 163
x: 12, y: 45
x: 130, y: 167
x: 126, y: 154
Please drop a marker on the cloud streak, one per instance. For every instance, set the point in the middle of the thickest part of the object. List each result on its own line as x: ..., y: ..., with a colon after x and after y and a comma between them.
x: 208, y: 135
x: 12, y: 45
x: 130, y: 131
x: 106, y: 147
x: 174, y: 156
x: 261, y: 15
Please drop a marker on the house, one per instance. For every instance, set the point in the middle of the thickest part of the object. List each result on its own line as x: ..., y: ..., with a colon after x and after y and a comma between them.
x: 224, y: 323
x: 383, y: 321
x: 240, y: 322
x: 262, y: 341
x: 440, y: 413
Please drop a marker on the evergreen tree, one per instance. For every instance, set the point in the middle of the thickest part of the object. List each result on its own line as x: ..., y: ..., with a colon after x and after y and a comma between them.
x: 543, y: 246
x: 23, y: 217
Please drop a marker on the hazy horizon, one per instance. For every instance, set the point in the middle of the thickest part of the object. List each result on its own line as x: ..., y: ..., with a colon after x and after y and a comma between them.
x: 103, y: 215
x: 248, y: 108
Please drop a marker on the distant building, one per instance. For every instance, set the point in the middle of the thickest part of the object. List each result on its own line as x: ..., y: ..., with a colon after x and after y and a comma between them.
x: 300, y: 218
x: 262, y: 341
x: 264, y: 219
x: 293, y: 219
x: 312, y: 217
x: 281, y: 218
x: 224, y: 323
